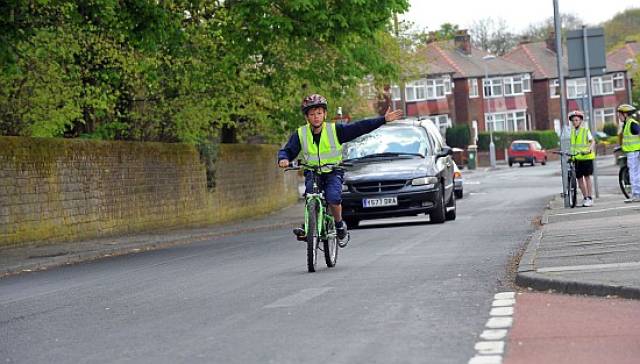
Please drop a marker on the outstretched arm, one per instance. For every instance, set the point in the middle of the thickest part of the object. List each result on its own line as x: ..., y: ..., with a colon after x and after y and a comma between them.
x: 348, y: 132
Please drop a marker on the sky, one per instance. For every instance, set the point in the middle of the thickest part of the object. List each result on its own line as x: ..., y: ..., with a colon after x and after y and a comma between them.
x: 518, y: 14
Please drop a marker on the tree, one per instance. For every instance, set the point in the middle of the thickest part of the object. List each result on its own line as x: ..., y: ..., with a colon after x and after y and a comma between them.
x: 492, y: 35
x: 540, y: 31
x: 622, y: 26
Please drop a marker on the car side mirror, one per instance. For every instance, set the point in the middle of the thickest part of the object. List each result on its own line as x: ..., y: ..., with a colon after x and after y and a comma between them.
x: 446, y: 151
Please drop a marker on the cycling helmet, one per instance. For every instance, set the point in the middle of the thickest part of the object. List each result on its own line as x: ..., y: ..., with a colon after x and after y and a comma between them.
x: 576, y: 113
x: 626, y: 109
x: 312, y: 101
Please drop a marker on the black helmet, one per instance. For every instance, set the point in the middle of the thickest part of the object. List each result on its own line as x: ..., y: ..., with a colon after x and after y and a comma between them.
x: 312, y: 101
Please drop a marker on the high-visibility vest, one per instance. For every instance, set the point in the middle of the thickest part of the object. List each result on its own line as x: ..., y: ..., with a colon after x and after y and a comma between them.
x: 580, y: 144
x: 630, y: 142
x: 328, y: 152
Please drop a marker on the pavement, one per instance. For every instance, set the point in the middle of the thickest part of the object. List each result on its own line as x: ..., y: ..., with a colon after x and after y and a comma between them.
x: 594, y: 250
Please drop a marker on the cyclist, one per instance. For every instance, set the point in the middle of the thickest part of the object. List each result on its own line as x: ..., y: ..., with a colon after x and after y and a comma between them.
x: 321, y: 143
x: 629, y: 140
x: 583, y: 145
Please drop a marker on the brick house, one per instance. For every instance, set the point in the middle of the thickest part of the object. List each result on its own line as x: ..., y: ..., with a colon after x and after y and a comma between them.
x: 626, y: 56
x: 456, y: 89
x: 608, y: 90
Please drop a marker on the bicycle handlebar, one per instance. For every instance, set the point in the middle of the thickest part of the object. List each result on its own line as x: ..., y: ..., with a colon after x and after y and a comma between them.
x: 333, y: 166
x: 569, y: 154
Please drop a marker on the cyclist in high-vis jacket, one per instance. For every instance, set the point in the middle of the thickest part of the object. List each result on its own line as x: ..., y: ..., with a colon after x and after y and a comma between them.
x: 583, y: 146
x: 321, y: 143
x: 630, y: 143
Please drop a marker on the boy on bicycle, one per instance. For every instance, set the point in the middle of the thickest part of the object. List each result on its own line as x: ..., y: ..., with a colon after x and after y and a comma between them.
x: 630, y: 142
x: 321, y: 143
x: 583, y: 146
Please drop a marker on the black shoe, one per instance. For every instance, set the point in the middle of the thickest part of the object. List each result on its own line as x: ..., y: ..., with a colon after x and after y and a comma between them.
x: 343, y: 235
x: 300, y: 234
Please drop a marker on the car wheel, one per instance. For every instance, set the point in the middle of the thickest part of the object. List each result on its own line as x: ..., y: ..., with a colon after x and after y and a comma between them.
x: 510, y: 164
x: 437, y: 216
x: 544, y: 161
x: 521, y: 164
x: 533, y: 162
x: 450, y: 215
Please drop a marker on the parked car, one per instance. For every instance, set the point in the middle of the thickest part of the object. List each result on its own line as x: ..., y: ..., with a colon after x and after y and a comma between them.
x: 527, y: 151
x: 457, y: 181
x: 400, y: 169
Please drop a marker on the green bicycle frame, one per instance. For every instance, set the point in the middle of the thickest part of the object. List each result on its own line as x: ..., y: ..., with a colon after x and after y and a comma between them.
x: 319, y: 199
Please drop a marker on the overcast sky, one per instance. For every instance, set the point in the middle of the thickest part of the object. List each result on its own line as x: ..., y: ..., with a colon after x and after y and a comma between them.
x: 517, y: 13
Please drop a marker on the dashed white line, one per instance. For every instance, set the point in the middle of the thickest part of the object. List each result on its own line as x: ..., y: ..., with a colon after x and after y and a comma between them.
x: 491, y: 348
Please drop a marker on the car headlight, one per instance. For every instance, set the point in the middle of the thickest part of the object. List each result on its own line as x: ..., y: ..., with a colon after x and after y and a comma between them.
x: 422, y: 181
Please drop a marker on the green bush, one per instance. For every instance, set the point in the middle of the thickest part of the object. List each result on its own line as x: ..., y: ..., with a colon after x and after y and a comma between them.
x: 458, y: 136
x: 547, y: 138
x: 610, y: 129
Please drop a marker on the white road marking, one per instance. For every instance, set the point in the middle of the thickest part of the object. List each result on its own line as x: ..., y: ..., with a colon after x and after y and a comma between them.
x: 494, y: 334
x: 490, y: 350
x: 571, y: 268
x: 298, y: 298
x: 590, y: 211
x: 499, y: 322
x: 490, y: 347
x: 501, y: 311
x: 506, y: 302
x: 486, y: 359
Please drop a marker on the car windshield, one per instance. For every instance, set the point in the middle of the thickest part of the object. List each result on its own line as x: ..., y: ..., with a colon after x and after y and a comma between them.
x: 396, y: 141
x: 520, y: 146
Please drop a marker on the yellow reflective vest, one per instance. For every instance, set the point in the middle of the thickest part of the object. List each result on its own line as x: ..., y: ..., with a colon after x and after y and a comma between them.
x: 328, y: 152
x: 630, y: 142
x: 580, y: 144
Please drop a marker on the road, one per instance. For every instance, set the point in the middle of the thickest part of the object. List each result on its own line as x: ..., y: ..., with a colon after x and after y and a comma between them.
x: 404, y: 291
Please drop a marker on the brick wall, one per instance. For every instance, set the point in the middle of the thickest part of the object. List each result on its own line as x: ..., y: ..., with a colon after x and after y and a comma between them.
x: 61, y: 190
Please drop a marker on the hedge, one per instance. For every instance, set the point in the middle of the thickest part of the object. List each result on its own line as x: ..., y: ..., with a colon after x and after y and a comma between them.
x: 458, y: 136
x: 547, y: 138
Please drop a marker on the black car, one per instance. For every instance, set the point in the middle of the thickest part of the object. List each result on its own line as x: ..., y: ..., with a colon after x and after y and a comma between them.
x: 400, y: 169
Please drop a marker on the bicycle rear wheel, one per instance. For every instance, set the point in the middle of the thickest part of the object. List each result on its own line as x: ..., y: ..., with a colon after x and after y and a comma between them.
x: 572, y: 188
x: 312, y: 236
x: 330, y: 243
x: 623, y: 180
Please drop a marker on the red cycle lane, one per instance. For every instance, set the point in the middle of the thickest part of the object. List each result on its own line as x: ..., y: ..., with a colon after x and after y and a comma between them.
x: 557, y: 329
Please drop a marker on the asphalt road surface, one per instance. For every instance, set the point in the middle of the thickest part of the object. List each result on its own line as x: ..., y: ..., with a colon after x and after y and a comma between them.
x: 404, y: 291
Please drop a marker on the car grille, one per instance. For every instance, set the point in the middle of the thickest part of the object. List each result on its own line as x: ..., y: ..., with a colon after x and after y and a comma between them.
x: 375, y: 187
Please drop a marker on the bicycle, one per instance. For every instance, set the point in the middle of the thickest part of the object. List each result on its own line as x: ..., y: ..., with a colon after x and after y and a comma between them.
x: 319, y: 225
x: 572, y: 182
x: 623, y: 174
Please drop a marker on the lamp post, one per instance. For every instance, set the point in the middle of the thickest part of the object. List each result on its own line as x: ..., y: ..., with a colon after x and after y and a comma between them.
x: 492, y: 146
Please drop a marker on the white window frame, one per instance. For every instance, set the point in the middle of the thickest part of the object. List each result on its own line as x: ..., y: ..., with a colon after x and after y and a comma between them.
x: 511, y: 84
x: 506, y: 86
x: 442, y: 122
x: 395, y: 93
x: 492, y: 85
x: 619, y: 78
x: 554, y: 88
x: 513, y: 117
x: 473, y: 87
x: 602, y: 85
x: 416, y: 91
x: 526, y: 82
x: 603, y: 116
x: 576, y: 88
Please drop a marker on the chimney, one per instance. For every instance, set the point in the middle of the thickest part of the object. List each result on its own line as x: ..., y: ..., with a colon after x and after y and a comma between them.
x: 462, y: 42
x: 551, y: 41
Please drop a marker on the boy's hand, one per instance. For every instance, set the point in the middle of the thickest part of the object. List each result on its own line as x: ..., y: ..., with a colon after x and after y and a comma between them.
x: 393, y: 115
x: 283, y: 163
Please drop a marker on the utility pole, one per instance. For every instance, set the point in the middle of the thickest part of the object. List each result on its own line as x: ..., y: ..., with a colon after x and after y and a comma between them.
x: 592, y: 122
x: 403, y: 98
x: 564, y: 127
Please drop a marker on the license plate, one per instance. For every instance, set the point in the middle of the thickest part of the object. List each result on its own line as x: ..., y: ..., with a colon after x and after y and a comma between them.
x: 379, y: 202
x: 520, y: 159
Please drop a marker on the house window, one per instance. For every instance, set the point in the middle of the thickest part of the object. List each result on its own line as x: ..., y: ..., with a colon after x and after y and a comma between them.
x: 604, y: 116
x: 395, y: 93
x: 416, y: 91
x: 492, y: 87
x: 509, y: 121
x: 442, y: 122
x: 618, y: 81
x: 436, y: 88
x: 473, y: 87
x: 554, y: 88
x: 526, y: 82
x: 576, y: 88
x: 513, y: 85
x: 447, y: 85
x: 602, y: 85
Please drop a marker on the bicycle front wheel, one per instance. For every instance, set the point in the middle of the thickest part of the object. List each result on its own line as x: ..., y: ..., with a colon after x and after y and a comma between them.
x: 330, y: 243
x: 572, y: 188
x: 313, y: 239
x: 623, y: 180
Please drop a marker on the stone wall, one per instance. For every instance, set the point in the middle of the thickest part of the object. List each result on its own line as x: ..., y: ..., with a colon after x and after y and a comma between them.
x: 63, y: 190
